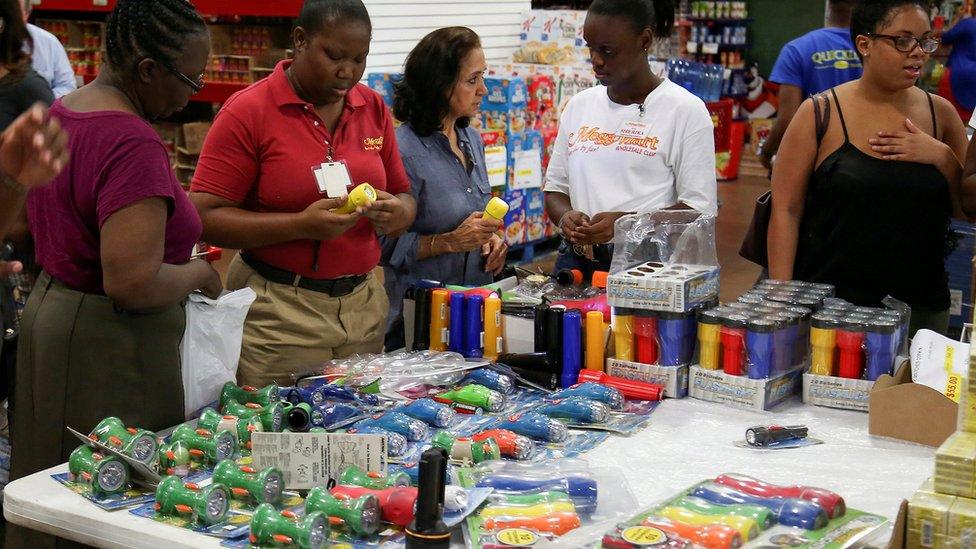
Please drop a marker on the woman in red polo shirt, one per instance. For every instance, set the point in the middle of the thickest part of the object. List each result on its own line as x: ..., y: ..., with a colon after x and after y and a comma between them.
x: 256, y: 190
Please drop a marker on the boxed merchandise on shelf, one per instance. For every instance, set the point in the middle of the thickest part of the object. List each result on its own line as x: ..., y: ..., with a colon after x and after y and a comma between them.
x: 189, y: 143
x: 82, y: 40
x: 496, y: 158
x: 382, y: 83
x: 516, y: 217
x: 535, y: 215
x: 503, y: 108
x: 552, y: 37
x: 959, y: 266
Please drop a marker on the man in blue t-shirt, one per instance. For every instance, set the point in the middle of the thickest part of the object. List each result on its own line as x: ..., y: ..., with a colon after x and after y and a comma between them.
x: 810, y: 64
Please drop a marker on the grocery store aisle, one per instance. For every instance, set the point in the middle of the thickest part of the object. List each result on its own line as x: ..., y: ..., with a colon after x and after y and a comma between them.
x: 738, y: 200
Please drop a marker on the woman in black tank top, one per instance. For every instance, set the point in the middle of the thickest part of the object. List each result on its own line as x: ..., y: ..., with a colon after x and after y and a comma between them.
x: 862, y: 197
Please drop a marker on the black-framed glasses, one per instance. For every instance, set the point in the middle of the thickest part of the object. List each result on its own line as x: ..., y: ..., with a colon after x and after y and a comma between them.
x: 195, y: 85
x: 906, y: 44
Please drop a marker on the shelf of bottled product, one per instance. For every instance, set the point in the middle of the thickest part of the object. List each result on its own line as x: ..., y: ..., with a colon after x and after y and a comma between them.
x: 257, y: 8
x: 212, y: 92
x: 716, y: 21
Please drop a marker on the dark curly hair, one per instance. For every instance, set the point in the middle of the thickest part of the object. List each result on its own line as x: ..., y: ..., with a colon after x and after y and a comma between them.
x: 656, y: 14
x: 871, y: 15
x: 423, y: 97
x: 13, y: 55
x: 157, y: 29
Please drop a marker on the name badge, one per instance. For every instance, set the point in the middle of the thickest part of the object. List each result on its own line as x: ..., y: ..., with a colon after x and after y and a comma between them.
x: 635, y: 129
x: 333, y: 179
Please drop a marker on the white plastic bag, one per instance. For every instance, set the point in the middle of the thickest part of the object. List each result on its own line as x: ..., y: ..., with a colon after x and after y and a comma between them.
x: 211, y: 345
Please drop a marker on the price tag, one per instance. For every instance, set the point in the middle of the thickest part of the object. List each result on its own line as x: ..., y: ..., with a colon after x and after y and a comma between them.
x: 711, y: 47
x: 528, y: 170
x: 644, y: 535
x: 496, y: 162
x: 516, y: 537
x: 312, y: 459
x: 692, y: 47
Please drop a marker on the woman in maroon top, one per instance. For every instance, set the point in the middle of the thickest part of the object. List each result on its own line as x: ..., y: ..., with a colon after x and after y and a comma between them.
x: 256, y: 189
x: 114, y: 233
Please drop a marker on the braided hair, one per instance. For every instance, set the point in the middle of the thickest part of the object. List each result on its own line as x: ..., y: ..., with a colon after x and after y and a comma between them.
x: 157, y: 29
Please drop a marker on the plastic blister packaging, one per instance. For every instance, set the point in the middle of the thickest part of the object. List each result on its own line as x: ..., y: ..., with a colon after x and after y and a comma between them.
x: 558, y: 503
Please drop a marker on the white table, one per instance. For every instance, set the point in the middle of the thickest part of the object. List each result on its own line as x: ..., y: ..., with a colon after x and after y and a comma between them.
x: 687, y: 441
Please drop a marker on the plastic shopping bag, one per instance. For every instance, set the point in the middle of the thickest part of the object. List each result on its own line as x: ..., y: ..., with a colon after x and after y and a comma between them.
x: 211, y: 345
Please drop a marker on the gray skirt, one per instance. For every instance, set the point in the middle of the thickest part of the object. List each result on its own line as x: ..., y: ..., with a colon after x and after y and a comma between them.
x: 81, y: 359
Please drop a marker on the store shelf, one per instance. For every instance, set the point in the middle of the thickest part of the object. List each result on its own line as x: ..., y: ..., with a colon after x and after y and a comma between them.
x: 213, y: 92
x: 260, y: 8
x: 719, y: 21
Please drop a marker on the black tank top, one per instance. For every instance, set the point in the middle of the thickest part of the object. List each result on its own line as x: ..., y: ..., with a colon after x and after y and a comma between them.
x: 875, y: 227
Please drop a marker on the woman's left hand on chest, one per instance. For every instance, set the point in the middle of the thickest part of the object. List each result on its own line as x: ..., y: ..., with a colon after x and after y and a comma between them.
x: 911, y: 145
x: 388, y: 213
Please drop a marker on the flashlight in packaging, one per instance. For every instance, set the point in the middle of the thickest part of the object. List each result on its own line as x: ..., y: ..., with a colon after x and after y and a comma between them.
x: 456, y: 332
x: 361, y: 515
x: 535, y: 425
x: 711, y: 536
x: 558, y: 524
x: 762, y: 516
x: 440, y: 311
x: 421, y: 319
x: 270, y: 527
x: 139, y: 444
x: 788, y: 511
x: 106, y: 474
x: 745, y: 526
x: 492, y: 379
x: 580, y: 488
x: 762, y: 436
x: 397, y: 422
x: 831, y: 502
x: 208, y: 505
x: 572, y: 347
x: 637, y: 390
x: 263, y: 486
x: 593, y: 391
x: 204, y: 444
x: 493, y: 327
x: 474, y: 396
x: 432, y: 413
x: 243, y: 395
x: 427, y: 530
x: 576, y: 409
x: 474, y: 311
x: 510, y: 444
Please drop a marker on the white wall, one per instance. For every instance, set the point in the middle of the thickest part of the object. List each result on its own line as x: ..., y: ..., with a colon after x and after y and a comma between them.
x: 399, y: 24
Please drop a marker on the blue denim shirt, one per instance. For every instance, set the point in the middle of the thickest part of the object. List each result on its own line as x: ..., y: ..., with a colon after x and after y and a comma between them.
x: 446, y: 195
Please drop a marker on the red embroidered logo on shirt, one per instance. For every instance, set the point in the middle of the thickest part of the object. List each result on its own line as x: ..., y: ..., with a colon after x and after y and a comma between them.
x: 590, y: 139
x: 373, y: 143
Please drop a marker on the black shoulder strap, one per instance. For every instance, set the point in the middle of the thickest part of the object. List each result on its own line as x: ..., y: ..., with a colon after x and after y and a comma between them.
x: 935, y: 122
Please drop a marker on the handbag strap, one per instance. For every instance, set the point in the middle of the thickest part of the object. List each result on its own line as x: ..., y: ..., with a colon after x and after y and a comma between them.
x: 821, y: 116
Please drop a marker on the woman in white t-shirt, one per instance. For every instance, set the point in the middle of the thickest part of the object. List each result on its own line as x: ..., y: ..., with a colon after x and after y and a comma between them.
x: 633, y: 144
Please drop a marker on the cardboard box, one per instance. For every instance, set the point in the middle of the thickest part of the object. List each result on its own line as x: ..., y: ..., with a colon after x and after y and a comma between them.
x: 515, y: 220
x: 961, y: 532
x: 659, y: 287
x: 673, y: 378
x: 541, y: 107
x: 894, y: 410
x: 503, y: 107
x: 535, y: 215
x: 928, y: 520
x: 742, y: 392
x: 955, y: 465
x: 382, y: 83
x: 837, y: 392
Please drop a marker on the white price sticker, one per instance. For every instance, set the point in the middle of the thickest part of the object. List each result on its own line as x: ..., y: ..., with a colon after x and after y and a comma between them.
x: 312, y: 459
x: 496, y: 162
x: 528, y: 169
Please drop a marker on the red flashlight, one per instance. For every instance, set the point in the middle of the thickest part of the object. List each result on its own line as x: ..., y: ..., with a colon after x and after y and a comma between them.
x: 397, y: 502
x: 635, y: 390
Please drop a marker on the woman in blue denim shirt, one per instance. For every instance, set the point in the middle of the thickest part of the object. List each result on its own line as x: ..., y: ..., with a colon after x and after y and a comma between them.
x: 442, y: 87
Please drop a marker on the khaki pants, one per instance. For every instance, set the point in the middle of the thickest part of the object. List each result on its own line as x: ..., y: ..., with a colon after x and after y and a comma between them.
x: 291, y: 330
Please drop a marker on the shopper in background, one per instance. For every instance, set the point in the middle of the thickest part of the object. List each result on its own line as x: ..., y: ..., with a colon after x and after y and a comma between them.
x: 635, y: 143
x: 255, y: 187
x: 49, y: 57
x: 960, y: 72
x: 443, y: 83
x: 20, y: 86
x: 867, y: 208
x: 814, y: 62
x: 102, y: 330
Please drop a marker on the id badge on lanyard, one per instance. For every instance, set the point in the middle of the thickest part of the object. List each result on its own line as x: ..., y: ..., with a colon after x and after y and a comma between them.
x: 332, y: 177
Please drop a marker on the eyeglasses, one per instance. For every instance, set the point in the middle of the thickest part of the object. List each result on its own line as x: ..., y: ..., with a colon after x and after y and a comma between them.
x: 195, y: 85
x: 906, y: 44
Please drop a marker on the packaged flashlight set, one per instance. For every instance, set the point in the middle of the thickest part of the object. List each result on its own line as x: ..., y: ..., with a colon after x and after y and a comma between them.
x: 591, y: 405
x: 554, y: 499
x: 664, y: 261
x: 751, y: 352
x: 203, y: 507
x: 732, y: 511
x: 850, y: 348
